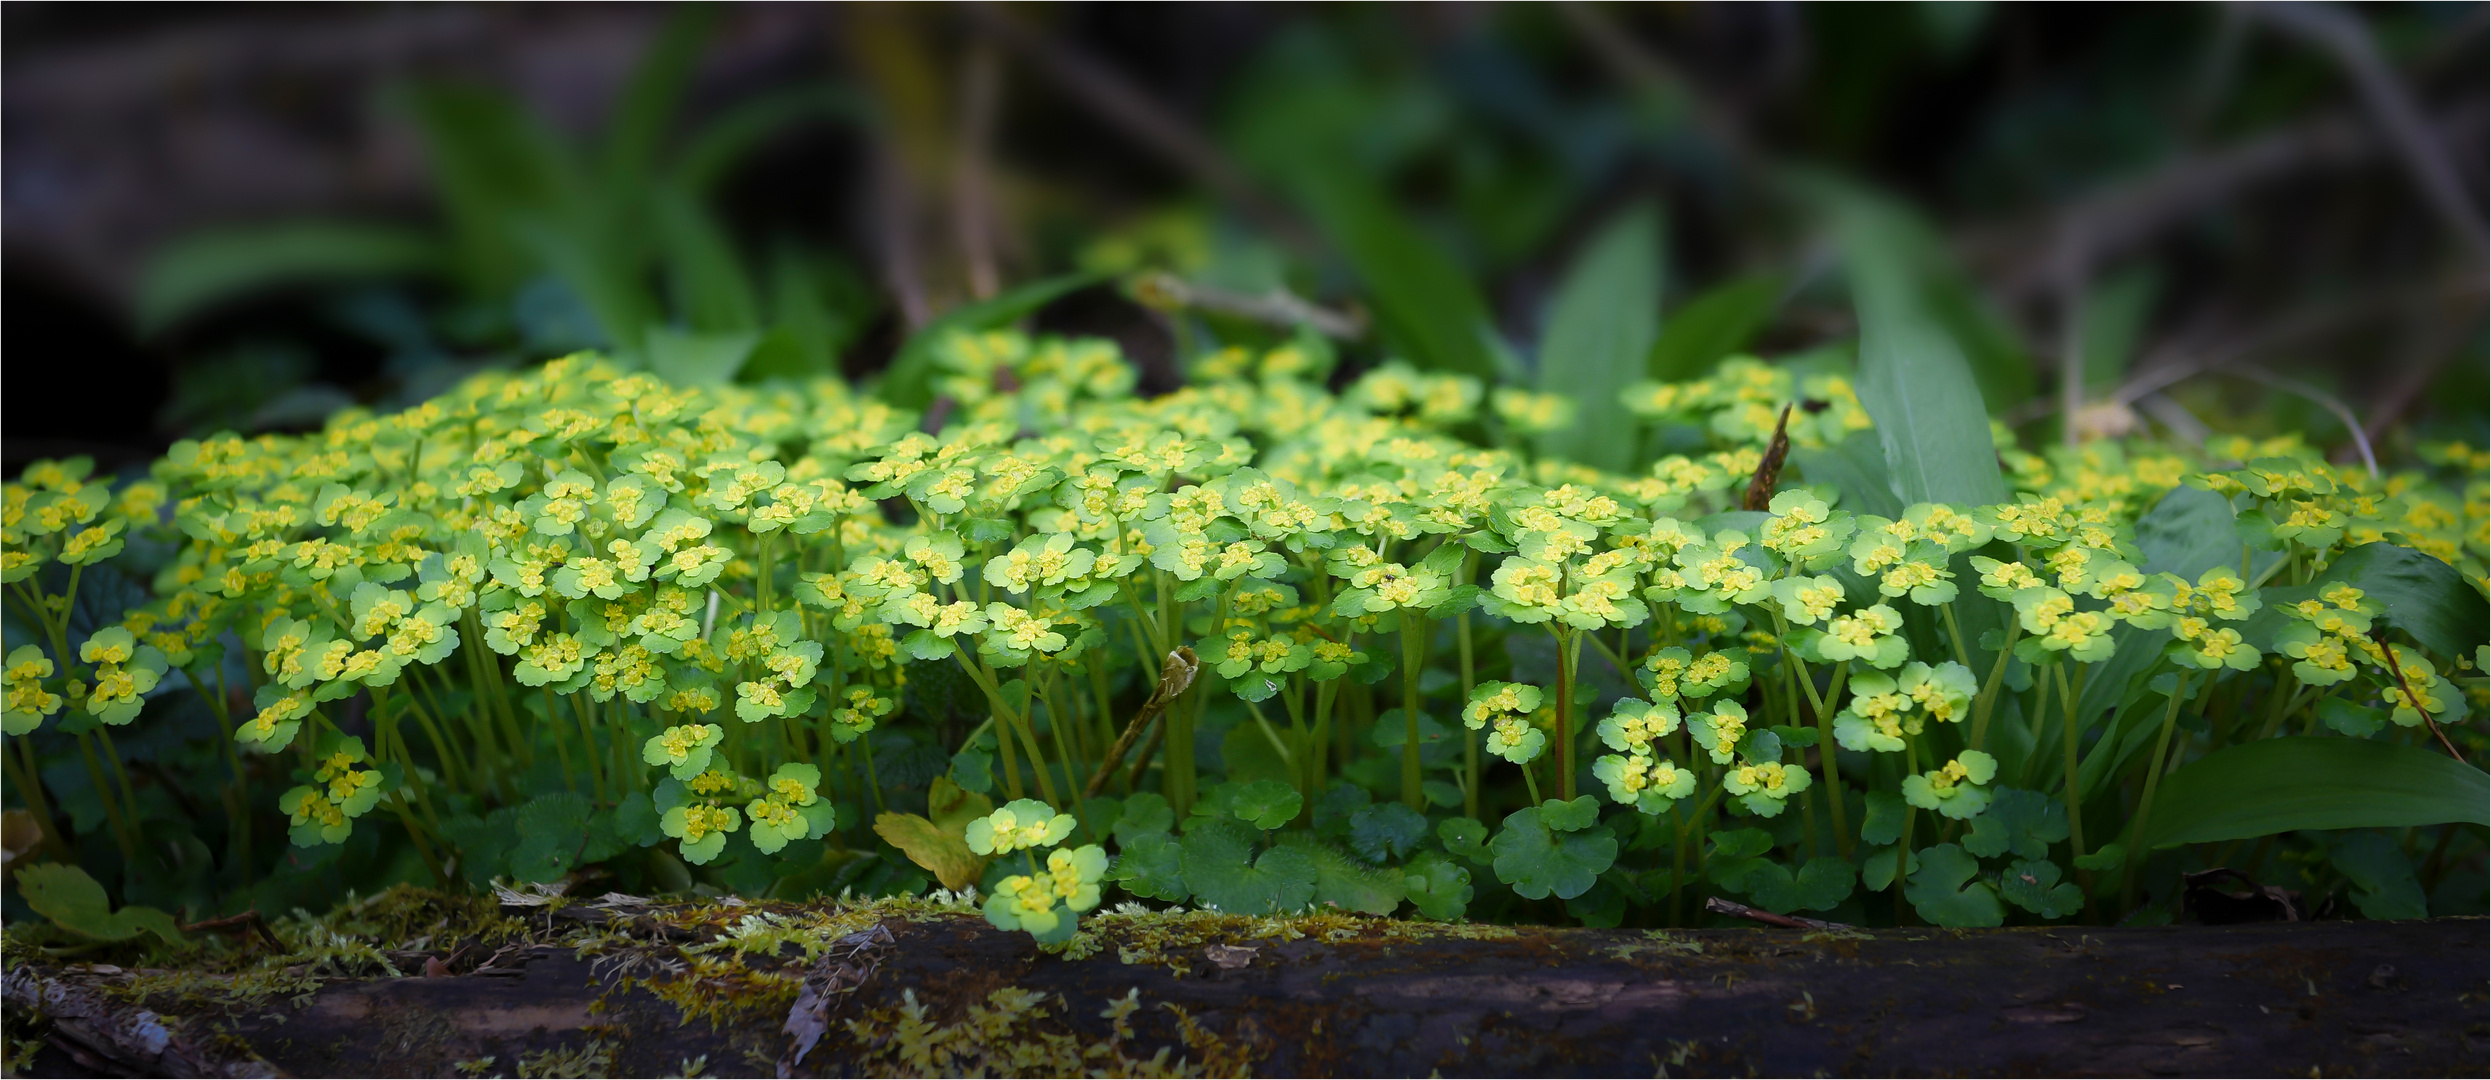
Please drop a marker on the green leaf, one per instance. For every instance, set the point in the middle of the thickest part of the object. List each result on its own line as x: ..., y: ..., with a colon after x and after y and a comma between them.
x: 1465, y: 838
x: 2424, y: 597
x: 205, y: 269
x: 1539, y: 862
x: 1266, y: 804
x: 1249, y: 753
x: 1944, y: 891
x: 1214, y: 862
x: 1150, y: 866
x: 2034, y: 885
x: 909, y: 380
x: 2314, y: 782
x: 1913, y: 379
x: 941, y: 852
x: 714, y: 151
x: 489, y: 159
x: 1856, y: 467
x: 2344, y: 717
x: 1884, y: 824
x: 2114, y: 317
x: 1821, y: 884
x: 560, y: 831
x: 688, y: 358
x: 656, y: 91
x: 1601, y: 326
x: 2383, y: 883
x: 1346, y: 883
x: 1718, y: 322
x: 67, y: 896
x: 1437, y: 886
x: 2019, y: 821
x: 1144, y: 813
x: 2190, y: 532
x: 1877, y: 866
x: 712, y: 293
x: 1385, y: 831
x: 1425, y: 307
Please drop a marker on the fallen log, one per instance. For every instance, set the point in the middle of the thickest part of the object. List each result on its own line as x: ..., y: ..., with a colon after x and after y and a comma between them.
x: 915, y: 989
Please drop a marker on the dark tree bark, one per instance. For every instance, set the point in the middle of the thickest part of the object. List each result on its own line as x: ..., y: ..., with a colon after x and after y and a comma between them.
x: 1361, y: 997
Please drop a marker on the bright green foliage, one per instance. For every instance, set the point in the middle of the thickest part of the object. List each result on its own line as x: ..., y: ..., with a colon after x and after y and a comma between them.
x: 1553, y: 849
x: 712, y: 634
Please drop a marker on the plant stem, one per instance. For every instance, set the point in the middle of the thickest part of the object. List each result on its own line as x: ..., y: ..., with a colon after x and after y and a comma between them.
x: 1411, y: 795
x: 1902, y: 846
x: 1568, y: 642
x: 1829, y: 766
x: 25, y: 777
x: 2135, y: 855
x: 2069, y: 726
x: 1988, y: 700
x: 1470, y: 738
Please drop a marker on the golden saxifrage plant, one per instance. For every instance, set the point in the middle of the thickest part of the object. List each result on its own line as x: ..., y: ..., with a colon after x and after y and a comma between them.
x: 1252, y: 645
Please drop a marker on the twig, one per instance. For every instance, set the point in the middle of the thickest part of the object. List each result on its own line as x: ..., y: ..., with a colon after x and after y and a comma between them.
x: 1279, y: 307
x: 1788, y: 922
x: 2346, y: 38
x: 248, y: 920
x: 1175, y: 677
x: 1629, y: 62
x: 2393, y: 668
x: 1132, y: 109
x: 1769, y: 467
x: 2361, y: 437
x: 973, y: 207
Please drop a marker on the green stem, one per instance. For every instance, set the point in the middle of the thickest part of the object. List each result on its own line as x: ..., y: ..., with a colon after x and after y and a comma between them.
x: 1902, y: 846
x: 1832, y: 768
x: 1988, y: 700
x: 2075, y: 792
x: 1411, y: 794
x: 2135, y: 855
x: 1568, y: 642
x: 121, y: 835
x: 26, y: 779
x: 1470, y: 738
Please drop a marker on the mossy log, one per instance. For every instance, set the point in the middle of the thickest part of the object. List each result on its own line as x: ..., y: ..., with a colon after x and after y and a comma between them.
x: 917, y: 990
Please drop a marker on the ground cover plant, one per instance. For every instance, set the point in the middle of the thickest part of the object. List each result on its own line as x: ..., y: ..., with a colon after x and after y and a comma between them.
x: 1282, y: 639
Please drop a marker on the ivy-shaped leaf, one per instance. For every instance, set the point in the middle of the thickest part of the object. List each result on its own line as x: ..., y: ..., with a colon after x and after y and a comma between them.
x: 1266, y: 804
x: 1539, y: 860
x: 1346, y: 883
x: 1945, y: 890
x: 2034, y: 885
x: 1143, y: 814
x: 1150, y: 866
x: 1386, y: 831
x: 2019, y: 821
x: 1885, y: 818
x: 1215, y: 864
x: 2383, y: 883
x: 1465, y: 838
x: 68, y: 896
x: 1437, y: 886
x: 1822, y: 883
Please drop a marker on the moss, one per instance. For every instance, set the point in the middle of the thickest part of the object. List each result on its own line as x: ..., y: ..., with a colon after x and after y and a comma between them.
x: 1019, y: 1032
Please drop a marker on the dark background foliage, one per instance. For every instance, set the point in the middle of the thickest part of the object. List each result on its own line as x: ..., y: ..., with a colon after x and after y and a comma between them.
x: 2240, y: 216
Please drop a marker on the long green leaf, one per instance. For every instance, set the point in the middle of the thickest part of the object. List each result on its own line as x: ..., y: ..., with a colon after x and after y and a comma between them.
x: 2279, y: 785
x: 1718, y: 322
x: 2423, y: 596
x: 909, y: 381
x: 720, y: 144
x: 605, y: 282
x: 1425, y: 307
x: 1913, y: 380
x: 711, y: 291
x: 205, y: 269
x: 696, y: 358
x: 1600, y: 329
x: 656, y: 91
x: 489, y: 160
x: 1856, y: 467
